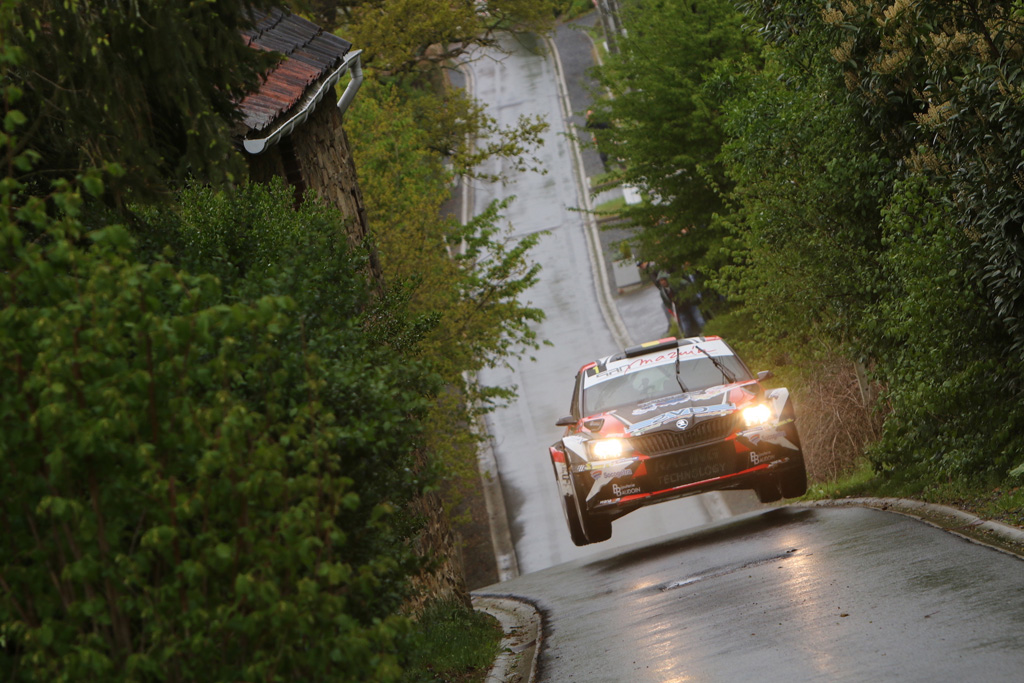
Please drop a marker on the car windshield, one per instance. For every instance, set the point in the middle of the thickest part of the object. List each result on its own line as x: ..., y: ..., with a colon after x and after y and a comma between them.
x: 659, y: 381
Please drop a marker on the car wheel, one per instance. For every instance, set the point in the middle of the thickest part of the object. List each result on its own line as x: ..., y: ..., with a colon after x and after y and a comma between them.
x: 767, y: 490
x: 793, y: 482
x: 572, y: 518
x: 596, y: 529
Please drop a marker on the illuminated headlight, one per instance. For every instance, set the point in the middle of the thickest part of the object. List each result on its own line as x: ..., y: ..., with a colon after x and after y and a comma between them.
x: 757, y: 415
x: 608, y: 449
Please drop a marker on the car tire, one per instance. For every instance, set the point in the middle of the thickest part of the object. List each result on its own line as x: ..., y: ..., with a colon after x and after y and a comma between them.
x: 596, y: 529
x: 793, y: 482
x: 572, y: 519
x: 767, y: 490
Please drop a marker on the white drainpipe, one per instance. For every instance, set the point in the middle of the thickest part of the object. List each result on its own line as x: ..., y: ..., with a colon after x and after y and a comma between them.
x: 353, y: 86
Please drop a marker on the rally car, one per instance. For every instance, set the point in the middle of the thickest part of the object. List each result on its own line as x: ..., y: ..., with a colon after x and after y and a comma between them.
x: 667, y: 419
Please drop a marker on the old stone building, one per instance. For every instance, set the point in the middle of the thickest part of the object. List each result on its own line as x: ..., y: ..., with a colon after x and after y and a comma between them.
x: 293, y: 129
x: 293, y: 123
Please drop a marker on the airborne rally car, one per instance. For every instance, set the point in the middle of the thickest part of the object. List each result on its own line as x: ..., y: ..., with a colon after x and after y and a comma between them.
x: 667, y: 419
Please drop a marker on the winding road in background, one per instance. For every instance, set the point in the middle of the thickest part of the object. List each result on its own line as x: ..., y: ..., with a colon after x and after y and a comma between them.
x: 780, y: 594
x: 525, y: 83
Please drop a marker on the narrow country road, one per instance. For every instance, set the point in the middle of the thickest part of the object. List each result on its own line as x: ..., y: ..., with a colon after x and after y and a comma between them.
x: 784, y: 594
x: 791, y: 594
x: 524, y: 82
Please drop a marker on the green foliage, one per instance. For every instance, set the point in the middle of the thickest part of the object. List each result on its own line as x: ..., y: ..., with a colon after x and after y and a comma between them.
x: 469, y: 274
x: 451, y: 642
x: 870, y: 183
x: 150, y: 85
x: 412, y: 35
x: 664, y: 128
x: 257, y: 244
x: 939, y: 83
x: 201, y: 473
x: 939, y: 349
x: 469, y: 278
x: 933, y: 83
x: 802, y: 219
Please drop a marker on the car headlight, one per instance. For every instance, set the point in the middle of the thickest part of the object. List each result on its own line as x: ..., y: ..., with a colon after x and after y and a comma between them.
x: 757, y: 414
x: 608, y: 449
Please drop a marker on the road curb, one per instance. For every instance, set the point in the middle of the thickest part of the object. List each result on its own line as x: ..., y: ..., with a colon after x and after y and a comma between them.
x: 1003, y: 537
x: 505, y: 558
x: 605, y: 299
x: 523, y: 626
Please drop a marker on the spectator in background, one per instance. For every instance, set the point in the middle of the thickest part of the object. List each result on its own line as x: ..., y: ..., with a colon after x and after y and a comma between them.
x: 684, y: 311
x: 594, y: 124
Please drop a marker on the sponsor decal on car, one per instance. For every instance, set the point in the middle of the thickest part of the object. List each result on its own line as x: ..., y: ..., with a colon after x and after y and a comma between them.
x: 611, y: 474
x: 626, y: 490
x: 693, y: 474
x: 651, y: 407
x: 776, y: 437
x: 707, y: 455
x: 704, y: 411
x: 606, y: 370
x: 763, y: 456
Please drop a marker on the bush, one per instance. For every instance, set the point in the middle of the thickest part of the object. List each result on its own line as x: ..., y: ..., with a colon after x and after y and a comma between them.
x: 199, y: 471
x: 939, y: 348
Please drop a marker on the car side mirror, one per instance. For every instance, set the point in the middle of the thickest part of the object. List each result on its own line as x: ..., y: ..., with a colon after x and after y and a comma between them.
x: 567, y: 421
x: 765, y: 374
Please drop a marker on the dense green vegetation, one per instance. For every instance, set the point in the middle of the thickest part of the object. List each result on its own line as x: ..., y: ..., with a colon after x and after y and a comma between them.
x: 212, y: 426
x: 846, y: 177
x: 452, y: 644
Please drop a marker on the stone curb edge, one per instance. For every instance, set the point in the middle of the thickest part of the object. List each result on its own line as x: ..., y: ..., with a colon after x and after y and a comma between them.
x: 1003, y: 537
x: 523, y: 626
x: 605, y: 301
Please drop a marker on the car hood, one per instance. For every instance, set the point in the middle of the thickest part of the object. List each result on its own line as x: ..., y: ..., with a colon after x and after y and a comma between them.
x: 679, y: 410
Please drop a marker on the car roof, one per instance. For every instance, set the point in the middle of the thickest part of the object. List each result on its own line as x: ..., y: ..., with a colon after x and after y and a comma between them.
x: 656, y: 353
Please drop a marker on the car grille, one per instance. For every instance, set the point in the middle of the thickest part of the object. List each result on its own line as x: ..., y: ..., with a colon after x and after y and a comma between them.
x: 668, y: 441
x: 695, y: 464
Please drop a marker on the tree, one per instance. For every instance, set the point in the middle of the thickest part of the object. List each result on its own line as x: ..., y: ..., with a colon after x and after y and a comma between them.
x: 802, y: 215
x: 468, y: 278
x: 412, y: 35
x: 938, y: 348
x: 152, y: 86
x: 194, y: 464
x: 935, y: 80
x: 664, y: 129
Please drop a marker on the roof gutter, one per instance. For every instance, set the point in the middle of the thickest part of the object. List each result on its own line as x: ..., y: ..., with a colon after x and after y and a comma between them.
x: 351, y: 62
x: 353, y: 86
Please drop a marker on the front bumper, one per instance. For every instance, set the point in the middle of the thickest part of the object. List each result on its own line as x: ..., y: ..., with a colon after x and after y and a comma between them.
x: 738, y: 461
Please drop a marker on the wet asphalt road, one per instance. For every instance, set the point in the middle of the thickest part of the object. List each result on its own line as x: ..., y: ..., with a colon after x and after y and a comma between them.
x: 525, y: 82
x: 791, y: 594
x: 788, y: 594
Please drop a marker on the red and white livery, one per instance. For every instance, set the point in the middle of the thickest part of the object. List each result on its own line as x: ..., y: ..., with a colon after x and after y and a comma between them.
x: 667, y: 419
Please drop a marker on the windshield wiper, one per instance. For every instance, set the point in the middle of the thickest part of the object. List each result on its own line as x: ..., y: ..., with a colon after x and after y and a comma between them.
x: 679, y: 379
x: 726, y: 374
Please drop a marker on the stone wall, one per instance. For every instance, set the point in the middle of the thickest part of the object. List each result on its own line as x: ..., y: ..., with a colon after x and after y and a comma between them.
x: 444, y: 578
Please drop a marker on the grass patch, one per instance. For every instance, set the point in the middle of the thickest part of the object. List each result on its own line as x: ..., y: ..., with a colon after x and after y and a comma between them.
x: 997, y: 500
x: 612, y: 207
x: 607, y: 178
x: 452, y: 643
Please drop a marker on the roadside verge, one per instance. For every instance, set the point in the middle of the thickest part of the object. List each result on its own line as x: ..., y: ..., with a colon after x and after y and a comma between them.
x: 522, y: 624
x: 1004, y: 537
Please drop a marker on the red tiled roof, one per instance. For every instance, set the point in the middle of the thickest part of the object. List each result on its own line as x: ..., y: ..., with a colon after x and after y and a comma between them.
x: 310, y: 54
